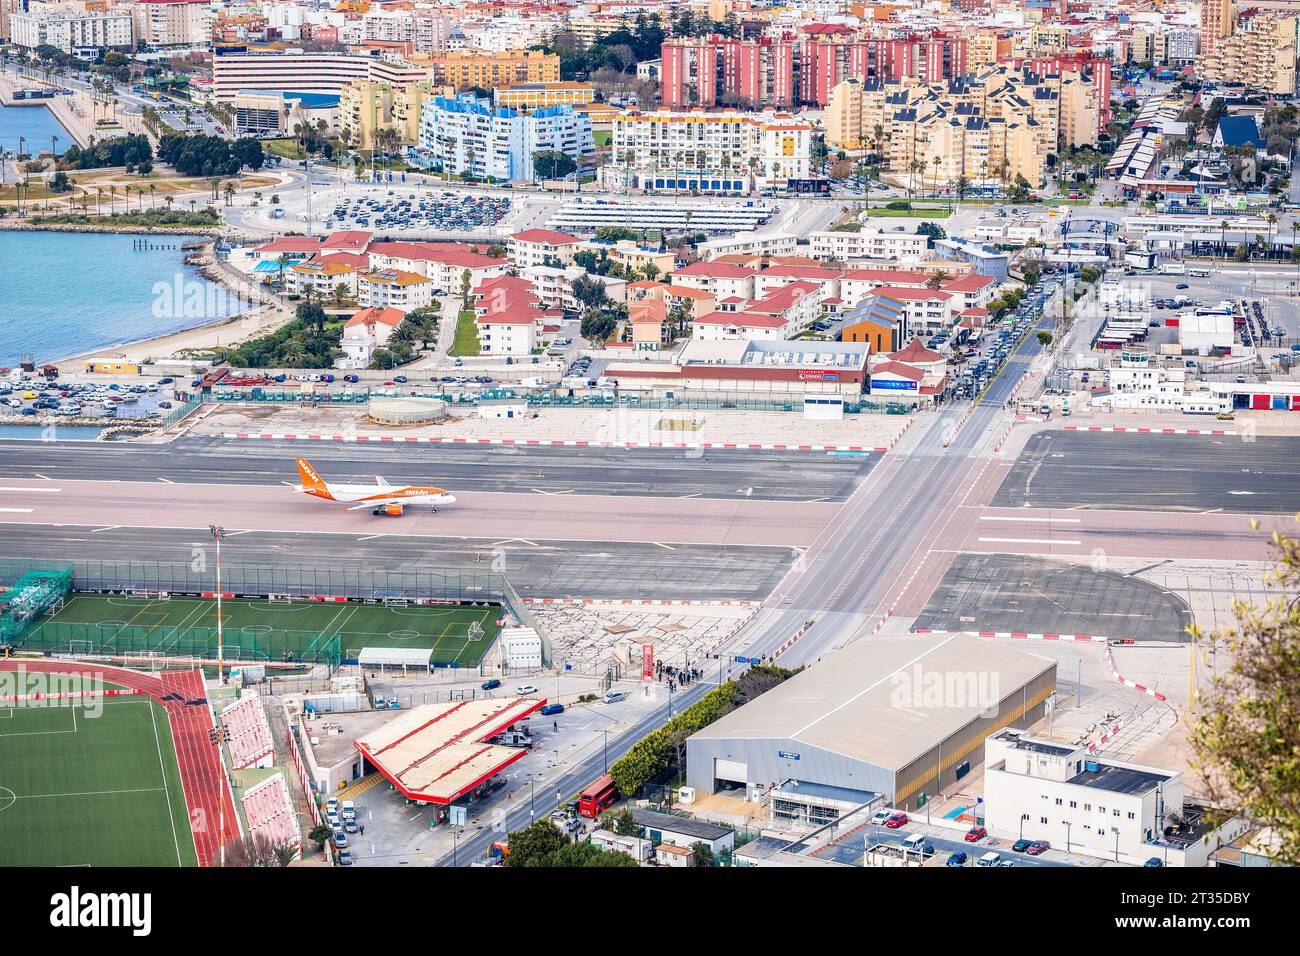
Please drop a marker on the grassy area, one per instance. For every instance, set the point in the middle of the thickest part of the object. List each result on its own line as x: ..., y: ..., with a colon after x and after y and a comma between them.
x: 602, y: 137
x: 78, y: 789
x: 914, y: 213
x: 286, y: 148
x: 263, y: 629
x: 466, y: 341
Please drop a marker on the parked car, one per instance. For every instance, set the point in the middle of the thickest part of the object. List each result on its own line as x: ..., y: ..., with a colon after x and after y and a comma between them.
x: 896, y: 820
x: 525, y: 689
x: 1020, y: 846
x: 1038, y: 847
x: 975, y: 834
x: 879, y: 818
x: 1154, y: 861
x: 550, y: 710
x: 491, y: 684
x: 614, y: 696
x: 957, y: 859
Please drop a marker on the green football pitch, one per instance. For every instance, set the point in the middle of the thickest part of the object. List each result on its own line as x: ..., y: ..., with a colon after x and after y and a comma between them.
x: 255, y: 629
x: 91, y: 783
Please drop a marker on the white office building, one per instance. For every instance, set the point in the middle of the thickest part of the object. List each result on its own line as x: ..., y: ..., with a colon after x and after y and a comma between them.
x: 1080, y: 802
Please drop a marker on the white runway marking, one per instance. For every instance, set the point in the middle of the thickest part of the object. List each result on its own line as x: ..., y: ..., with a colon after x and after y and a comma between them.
x: 35, y: 491
x: 1029, y: 541
x: 1045, y: 520
x: 17, y: 511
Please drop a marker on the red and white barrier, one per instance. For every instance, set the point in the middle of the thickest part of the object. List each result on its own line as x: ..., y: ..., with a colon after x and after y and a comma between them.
x: 1023, y: 635
x: 750, y: 446
x: 69, y: 695
x: 642, y: 602
x: 1147, y: 431
x: 1110, y: 662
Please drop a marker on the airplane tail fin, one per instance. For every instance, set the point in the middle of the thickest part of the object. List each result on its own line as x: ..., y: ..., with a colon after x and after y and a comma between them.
x: 311, y: 481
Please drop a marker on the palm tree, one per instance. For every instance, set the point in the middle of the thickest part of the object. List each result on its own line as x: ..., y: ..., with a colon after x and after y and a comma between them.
x: 936, y: 162
x: 936, y: 280
x: 169, y: 200
x: 1272, y: 224
x: 1223, y: 237
x: 230, y: 193
x: 152, y: 190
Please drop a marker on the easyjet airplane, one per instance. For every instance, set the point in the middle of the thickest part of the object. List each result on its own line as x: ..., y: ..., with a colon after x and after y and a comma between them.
x: 381, y: 498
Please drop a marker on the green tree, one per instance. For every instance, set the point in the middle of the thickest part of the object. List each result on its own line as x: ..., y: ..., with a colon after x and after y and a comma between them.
x: 1044, y: 338
x: 534, y: 842
x: 597, y: 325
x: 1246, y: 735
x: 553, y: 164
x: 320, y: 835
x: 701, y: 854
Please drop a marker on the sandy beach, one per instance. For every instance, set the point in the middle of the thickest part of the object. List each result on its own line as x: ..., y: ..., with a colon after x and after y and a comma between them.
x: 225, y: 333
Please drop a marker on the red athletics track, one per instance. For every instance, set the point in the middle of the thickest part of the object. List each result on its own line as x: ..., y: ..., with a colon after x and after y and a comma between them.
x: 202, y: 778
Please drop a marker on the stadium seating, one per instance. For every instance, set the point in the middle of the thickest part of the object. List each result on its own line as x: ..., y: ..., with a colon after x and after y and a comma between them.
x: 269, y: 811
x: 249, y: 734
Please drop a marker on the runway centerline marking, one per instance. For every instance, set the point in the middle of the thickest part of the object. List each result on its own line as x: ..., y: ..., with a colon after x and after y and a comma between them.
x: 35, y: 491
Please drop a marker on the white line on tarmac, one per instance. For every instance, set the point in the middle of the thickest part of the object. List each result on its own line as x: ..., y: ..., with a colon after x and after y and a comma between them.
x: 167, y: 481
x: 664, y: 546
x: 42, y: 477
x: 17, y: 511
x: 112, y: 527
x: 1029, y: 541
x: 1044, y: 520
x: 37, y: 491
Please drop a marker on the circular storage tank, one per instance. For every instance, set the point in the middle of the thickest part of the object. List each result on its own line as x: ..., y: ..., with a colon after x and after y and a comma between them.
x: 406, y: 411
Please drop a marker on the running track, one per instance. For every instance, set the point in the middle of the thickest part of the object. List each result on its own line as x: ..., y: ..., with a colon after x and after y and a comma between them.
x: 182, y: 696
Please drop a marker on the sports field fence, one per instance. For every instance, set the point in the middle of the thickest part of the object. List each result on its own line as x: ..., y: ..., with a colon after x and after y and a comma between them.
x: 196, y: 578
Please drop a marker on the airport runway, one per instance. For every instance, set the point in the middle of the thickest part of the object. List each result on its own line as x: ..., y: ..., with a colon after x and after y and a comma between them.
x: 715, y: 473
x: 1125, y: 534
x: 1121, y: 471
x: 531, y: 517
x: 614, y: 570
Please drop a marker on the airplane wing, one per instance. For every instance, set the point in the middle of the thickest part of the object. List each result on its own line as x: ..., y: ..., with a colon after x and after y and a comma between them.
x: 382, y: 482
x: 378, y: 503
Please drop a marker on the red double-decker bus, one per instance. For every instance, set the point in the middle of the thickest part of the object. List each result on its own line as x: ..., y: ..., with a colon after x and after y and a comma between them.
x: 597, y: 797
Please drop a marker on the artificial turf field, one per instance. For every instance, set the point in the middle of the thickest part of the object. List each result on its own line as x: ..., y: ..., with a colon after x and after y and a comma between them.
x: 261, y: 629
x: 91, y: 784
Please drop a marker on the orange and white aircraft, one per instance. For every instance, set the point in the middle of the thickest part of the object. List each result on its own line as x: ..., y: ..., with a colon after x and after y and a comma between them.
x: 382, y: 498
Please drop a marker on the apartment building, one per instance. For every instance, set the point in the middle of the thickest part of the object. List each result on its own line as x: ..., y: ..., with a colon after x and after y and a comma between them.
x: 166, y: 24
x: 542, y: 247
x: 465, y: 135
x: 707, y: 152
x: 426, y: 30
x: 531, y: 96
x: 904, y: 247
x: 462, y: 69
x: 1259, y: 52
x: 366, y: 106
x: 788, y: 71
x: 83, y: 33
x: 394, y: 289
x: 446, y: 264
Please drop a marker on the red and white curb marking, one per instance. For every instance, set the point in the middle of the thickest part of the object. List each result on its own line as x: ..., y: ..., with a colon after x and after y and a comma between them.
x: 642, y: 602
x: 791, y: 641
x: 1147, y: 431
x: 1109, y: 734
x: 755, y: 446
x: 1023, y: 635
x: 1110, y: 662
x: 1087, y: 638
x: 881, y: 623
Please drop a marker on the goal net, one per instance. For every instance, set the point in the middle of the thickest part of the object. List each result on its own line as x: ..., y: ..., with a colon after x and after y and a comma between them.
x: 396, y: 602
x: 475, y: 631
x: 81, y: 647
x: 279, y: 598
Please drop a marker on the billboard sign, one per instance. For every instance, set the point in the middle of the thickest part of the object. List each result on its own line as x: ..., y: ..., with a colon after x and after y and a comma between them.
x: 647, y: 662
x: 893, y: 384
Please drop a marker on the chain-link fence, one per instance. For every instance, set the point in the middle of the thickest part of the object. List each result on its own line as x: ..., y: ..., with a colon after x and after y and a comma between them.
x: 197, y: 578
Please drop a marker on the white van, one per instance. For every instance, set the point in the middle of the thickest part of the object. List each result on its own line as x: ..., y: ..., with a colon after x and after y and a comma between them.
x: 915, y: 842
x: 988, y: 859
x: 349, y: 810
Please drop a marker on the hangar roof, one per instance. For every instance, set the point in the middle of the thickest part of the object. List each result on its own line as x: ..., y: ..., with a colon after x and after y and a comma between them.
x: 871, y: 701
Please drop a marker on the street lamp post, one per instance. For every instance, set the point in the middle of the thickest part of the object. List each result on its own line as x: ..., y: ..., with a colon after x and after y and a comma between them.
x: 605, y: 750
x: 218, y: 533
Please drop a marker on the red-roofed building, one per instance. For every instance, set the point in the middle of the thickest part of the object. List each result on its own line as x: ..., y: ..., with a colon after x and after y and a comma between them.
x: 541, y: 247
x: 444, y: 263
x: 353, y: 241
x: 366, y: 331
x: 973, y: 290
x: 857, y: 284
x: 722, y: 279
